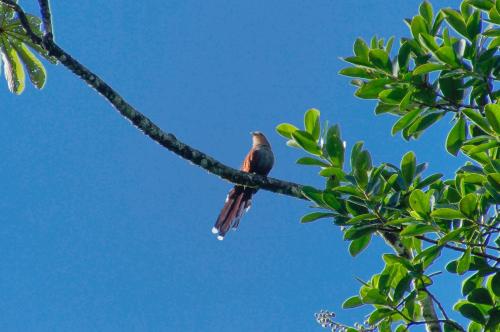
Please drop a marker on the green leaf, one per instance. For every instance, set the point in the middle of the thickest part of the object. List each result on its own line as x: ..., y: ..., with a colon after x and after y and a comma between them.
x: 36, y: 70
x: 456, y: 21
x: 315, y: 216
x: 447, y: 213
x: 482, y: 4
x: 480, y: 296
x: 356, y: 72
x: 373, y: 296
x: 422, y: 123
x: 408, y: 166
x: 451, y: 236
x: 452, y: 87
x: 472, y: 312
x: 286, y: 130
x: 417, y: 229
x: 371, y: 89
x: 418, y: 26
x: 493, y: 116
x: 357, y: 232
x: 420, y: 203
x: 405, y: 121
x: 378, y: 314
x: 447, y: 55
x: 427, y: 68
x: 358, y: 245
x: 352, y: 302
x: 306, y: 142
x: 474, y: 25
x: 456, y: 137
x: 429, y: 42
x: 332, y: 201
x: 404, y: 56
x: 13, y: 69
x: 463, y: 262
x: 468, y: 205
x: 494, y: 181
x: 335, y: 146
x: 380, y: 59
x: 494, y: 284
x: 429, y: 255
x: 392, y: 259
x: 361, y: 217
x: 356, y: 150
x: 429, y: 180
x: 402, y: 286
x: 312, y: 162
x: 314, y: 195
x: 361, y: 49
x: 470, y: 150
x: 426, y: 12
x: 478, y: 119
x: 311, y: 123
x: 471, y: 283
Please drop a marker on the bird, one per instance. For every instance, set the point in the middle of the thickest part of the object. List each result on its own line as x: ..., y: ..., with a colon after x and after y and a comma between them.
x: 259, y: 160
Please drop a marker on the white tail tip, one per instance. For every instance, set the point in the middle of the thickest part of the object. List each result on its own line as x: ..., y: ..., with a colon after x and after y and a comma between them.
x: 215, y: 230
x: 220, y: 238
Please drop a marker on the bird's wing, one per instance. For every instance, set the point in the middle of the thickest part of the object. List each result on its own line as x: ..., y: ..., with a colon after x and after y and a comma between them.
x: 249, y: 162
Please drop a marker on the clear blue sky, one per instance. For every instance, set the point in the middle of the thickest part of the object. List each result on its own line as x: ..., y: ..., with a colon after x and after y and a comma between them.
x: 104, y: 230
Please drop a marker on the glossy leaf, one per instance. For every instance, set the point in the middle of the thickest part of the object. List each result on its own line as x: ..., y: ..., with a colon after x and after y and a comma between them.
x: 380, y: 59
x: 456, y: 20
x: 286, y: 130
x: 315, y: 216
x: 480, y: 296
x: 306, y: 141
x: 352, y: 302
x: 447, y: 213
x: 478, y: 119
x: 417, y: 229
x: 335, y: 146
x: 311, y: 161
x: 463, y: 262
x: 420, y: 203
x: 311, y: 123
x: 358, y: 245
x: 456, y: 137
x: 408, y: 167
x: 12, y: 67
x: 405, y: 121
x: 492, y: 112
x: 472, y: 312
x: 428, y: 68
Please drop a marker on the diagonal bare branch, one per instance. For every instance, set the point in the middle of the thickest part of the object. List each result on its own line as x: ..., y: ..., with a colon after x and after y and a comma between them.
x: 147, y: 126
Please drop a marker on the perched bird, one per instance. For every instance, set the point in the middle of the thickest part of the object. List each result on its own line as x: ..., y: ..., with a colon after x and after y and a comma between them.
x: 259, y: 160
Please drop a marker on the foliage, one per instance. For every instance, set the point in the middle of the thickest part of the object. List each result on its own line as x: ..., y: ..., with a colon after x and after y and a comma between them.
x: 448, y: 65
x: 15, y: 51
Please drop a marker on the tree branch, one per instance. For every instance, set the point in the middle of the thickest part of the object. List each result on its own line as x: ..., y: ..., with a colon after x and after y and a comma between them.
x: 47, y: 19
x: 145, y: 125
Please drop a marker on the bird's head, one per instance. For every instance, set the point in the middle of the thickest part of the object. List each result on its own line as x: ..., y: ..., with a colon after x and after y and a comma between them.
x: 258, y: 138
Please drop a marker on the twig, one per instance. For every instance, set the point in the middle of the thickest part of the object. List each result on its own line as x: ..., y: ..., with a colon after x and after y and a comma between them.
x: 449, y: 246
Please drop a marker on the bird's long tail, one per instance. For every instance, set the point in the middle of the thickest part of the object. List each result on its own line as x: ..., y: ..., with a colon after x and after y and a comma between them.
x: 238, y: 201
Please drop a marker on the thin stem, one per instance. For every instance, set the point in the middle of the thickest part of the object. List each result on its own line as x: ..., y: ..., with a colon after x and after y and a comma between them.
x: 449, y: 246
